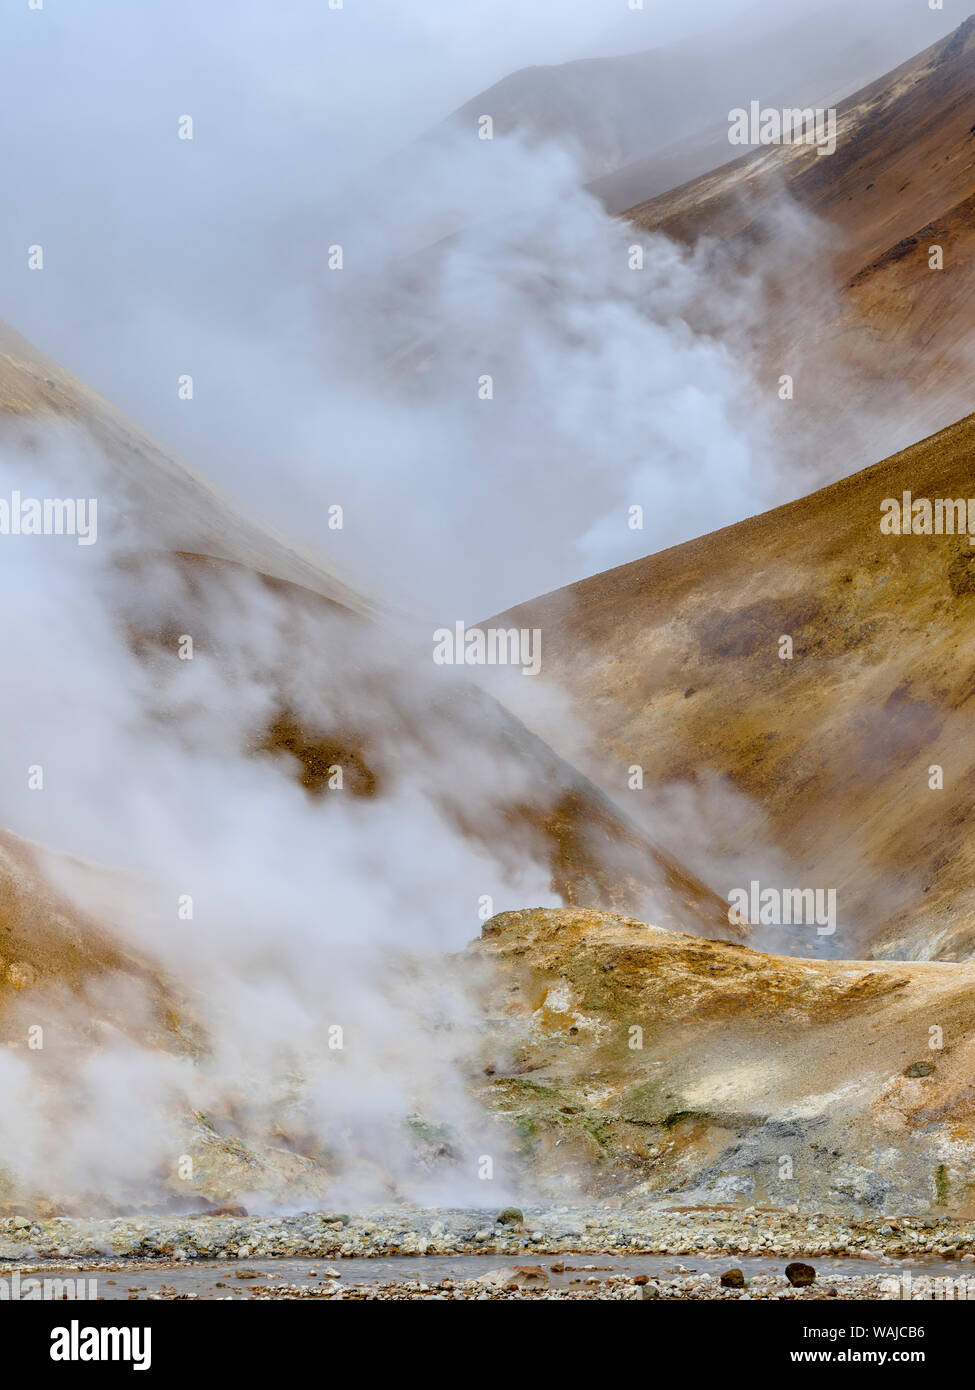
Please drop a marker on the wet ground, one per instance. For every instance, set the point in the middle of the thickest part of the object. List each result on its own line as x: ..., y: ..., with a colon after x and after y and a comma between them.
x: 220, y: 1279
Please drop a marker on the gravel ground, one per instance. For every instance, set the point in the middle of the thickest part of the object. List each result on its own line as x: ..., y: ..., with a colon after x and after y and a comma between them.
x: 504, y: 1284
x: 543, y: 1232
x: 410, y: 1230
x: 699, y: 1287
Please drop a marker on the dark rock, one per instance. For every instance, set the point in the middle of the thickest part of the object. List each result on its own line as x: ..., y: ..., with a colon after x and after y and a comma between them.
x: 919, y: 1069
x: 733, y: 1279
x: 800, y: 1276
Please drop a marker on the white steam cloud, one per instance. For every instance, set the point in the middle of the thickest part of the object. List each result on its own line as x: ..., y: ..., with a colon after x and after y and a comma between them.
x: 613, y: 387
x: 308, y: 913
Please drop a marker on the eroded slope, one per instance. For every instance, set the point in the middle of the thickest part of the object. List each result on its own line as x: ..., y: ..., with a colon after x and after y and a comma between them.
x: 627, y: 1055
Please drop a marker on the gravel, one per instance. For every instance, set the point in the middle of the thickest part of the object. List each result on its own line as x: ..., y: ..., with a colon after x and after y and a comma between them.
x: 411, y: 1230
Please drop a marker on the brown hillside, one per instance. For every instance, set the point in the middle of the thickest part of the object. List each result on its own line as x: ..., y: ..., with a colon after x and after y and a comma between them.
x: 673, y: 663
x: 880, y: 345
x: 623, y: 1054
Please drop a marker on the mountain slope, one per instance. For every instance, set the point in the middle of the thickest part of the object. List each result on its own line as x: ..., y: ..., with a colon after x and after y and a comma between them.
x: 876, y: 340
x: 621, y: 113
x: 323, y: 680
x: 182, y: 507
x: 673, y: 663
x: 550, y: 814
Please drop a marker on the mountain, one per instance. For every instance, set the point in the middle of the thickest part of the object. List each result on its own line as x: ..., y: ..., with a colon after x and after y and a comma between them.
x: 817, y: 768
x: 79, y: 953
x: 392, y: 697
x: 181, y: 506
x: 670, y: 104
x: 44, y: 938
x: 878, y: 343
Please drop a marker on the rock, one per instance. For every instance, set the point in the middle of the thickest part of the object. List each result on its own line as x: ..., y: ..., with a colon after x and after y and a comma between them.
x: 516, y: 1277
x: 919, y: 1069
x: 511, y: 1216
x: 638, y: 1279
x: 800, y: 1276
x: 649, y: 1291
x: 231, y: 1209
x: 733, y: 1279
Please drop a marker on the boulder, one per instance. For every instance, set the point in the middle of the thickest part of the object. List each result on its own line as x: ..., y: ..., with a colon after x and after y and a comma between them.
x: 800, y: 1276
x: 516, y: 1277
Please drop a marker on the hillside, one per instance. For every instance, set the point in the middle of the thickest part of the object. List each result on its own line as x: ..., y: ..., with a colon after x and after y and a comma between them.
x: 750, y: 1078
x: 673, y: 664
x: 659, y: 116
x: 879, y: 344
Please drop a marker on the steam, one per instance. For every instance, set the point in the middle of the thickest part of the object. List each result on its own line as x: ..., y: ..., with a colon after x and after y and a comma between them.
x: 612, y: 388
x: 316, y: 387
x: 309, y: 914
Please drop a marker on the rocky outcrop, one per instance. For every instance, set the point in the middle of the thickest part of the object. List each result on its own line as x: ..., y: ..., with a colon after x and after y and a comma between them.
x: 624, y: 1056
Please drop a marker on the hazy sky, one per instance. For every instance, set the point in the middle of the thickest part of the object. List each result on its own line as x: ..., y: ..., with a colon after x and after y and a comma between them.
x: 284, y: 93
x: 165, y: 257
